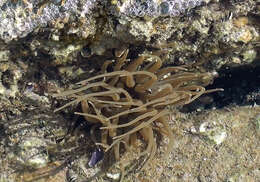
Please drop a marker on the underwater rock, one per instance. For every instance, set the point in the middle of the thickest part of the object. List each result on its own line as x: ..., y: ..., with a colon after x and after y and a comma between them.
x: 214, y: 133
x: 9, y: 78
x: 154, y: 8
x: 115, y: 176
x: 4, y: 55
x: 31, y: 152
x: 19, y: 18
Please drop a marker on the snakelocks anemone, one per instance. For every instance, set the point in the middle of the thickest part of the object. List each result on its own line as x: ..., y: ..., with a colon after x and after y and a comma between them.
x: 130, y: 102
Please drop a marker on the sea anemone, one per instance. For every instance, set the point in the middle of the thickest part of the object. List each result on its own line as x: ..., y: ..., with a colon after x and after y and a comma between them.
x: 130, y: 103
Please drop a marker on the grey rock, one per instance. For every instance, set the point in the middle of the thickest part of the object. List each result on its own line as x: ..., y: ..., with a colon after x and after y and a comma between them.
x: 154, y: 8
x: 19, y: 18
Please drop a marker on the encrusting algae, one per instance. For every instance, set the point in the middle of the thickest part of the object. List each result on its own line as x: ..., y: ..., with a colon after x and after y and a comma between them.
x: 131, y: 103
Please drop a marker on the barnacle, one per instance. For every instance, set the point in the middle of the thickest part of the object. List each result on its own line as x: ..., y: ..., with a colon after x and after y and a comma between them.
x: 131, y: 102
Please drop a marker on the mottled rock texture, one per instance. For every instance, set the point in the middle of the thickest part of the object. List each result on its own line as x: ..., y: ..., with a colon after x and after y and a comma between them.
x: 19, y: 18
x: 155, y: 8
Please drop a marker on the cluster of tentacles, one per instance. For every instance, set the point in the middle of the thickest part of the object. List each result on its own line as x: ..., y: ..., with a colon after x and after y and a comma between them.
x: 130, y: 103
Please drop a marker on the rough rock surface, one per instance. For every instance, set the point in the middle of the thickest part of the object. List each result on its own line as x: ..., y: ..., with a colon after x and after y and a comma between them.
x: 47, y: 45
x: 19, y: 18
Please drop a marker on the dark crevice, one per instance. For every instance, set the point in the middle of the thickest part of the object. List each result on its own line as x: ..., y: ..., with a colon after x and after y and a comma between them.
x: 241, y: 86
